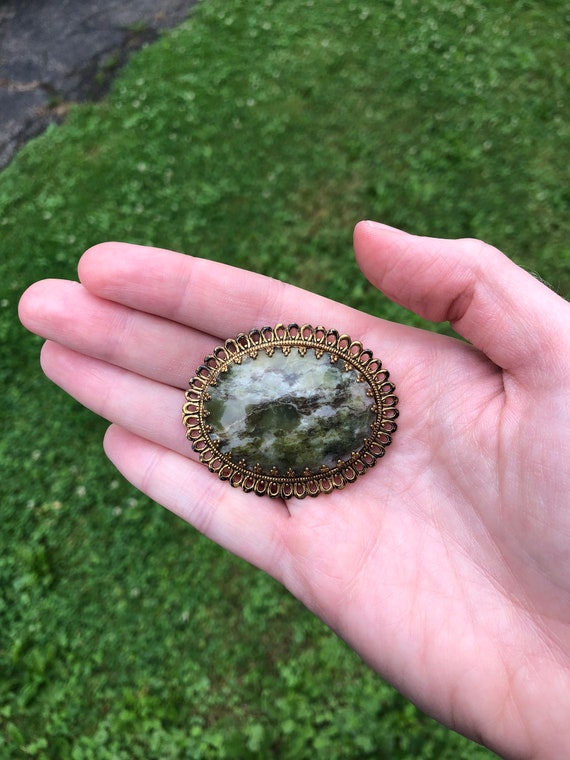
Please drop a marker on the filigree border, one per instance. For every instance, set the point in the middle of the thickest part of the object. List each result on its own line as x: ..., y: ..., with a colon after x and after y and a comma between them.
x: 286, y: 338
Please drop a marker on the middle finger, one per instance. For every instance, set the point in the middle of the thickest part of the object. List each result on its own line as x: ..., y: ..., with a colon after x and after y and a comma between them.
x: 154, y: 347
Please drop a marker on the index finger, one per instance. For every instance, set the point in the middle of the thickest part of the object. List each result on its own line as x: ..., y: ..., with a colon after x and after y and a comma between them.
x: 216, y: 299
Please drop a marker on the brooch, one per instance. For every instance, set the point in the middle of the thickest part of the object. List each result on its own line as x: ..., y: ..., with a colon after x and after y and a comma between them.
x: 290, y: 411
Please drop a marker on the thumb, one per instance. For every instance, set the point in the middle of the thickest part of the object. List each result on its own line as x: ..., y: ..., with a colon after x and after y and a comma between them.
x: 518, y: 322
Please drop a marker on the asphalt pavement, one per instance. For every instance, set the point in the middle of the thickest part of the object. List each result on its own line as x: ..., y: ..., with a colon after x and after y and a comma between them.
x: 57, y: 52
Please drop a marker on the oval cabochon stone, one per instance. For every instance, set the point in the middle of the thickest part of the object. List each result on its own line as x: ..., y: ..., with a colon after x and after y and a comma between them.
x: 290, y: 411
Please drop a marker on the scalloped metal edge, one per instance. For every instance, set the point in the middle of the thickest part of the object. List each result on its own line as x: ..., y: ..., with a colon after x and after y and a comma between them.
x: 286, y: 338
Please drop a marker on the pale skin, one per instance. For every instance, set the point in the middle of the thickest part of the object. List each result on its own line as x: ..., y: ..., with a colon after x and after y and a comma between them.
x: 446, y: 566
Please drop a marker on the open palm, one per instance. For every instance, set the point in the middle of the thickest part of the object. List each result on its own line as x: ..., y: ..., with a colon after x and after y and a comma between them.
x: 447, y: 567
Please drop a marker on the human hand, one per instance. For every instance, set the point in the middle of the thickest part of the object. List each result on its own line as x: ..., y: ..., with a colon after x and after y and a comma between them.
x: 447, y: 566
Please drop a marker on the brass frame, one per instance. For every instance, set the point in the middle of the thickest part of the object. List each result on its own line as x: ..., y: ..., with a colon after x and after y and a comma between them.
x: 286, y: 338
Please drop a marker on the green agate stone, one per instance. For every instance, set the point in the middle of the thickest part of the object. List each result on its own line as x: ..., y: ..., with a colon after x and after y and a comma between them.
x: 289, y: 412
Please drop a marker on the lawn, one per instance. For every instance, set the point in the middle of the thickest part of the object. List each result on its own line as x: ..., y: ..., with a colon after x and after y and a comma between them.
x: 257, y: 134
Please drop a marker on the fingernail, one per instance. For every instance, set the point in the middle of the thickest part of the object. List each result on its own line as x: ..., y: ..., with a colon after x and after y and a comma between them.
x: 384, y: 227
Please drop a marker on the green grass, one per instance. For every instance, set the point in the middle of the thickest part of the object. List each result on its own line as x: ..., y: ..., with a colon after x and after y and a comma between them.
x: 255, y: 134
